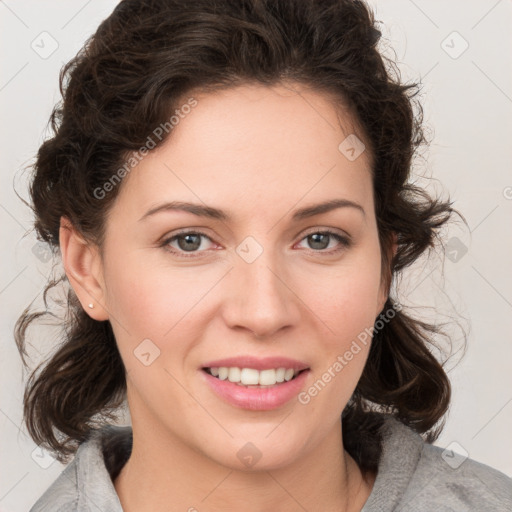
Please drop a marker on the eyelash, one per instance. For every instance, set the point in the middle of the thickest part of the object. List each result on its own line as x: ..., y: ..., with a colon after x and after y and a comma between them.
x: 345, y: 242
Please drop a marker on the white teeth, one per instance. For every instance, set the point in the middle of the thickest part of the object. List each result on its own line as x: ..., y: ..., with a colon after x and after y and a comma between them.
x: 288, y: 374
x: 249, y: 376
x: 234, y: 374
x: 252, y: 377
x: 267, y: 377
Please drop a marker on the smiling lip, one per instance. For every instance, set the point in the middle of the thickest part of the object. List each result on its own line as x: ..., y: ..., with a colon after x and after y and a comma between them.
x: 257, y: 398
x: 266, y: 363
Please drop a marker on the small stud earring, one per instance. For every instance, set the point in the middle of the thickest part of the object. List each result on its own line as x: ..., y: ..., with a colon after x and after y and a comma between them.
x: 91, y: 305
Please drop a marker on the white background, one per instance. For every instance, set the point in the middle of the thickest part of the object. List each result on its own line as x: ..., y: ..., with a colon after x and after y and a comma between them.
x: 468, y: 106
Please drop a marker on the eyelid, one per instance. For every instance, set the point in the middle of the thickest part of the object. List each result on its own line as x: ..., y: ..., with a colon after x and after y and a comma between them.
x: 184, y: 231
x: 345, y: 240
x: 335, y: 231
x: 201, y: 231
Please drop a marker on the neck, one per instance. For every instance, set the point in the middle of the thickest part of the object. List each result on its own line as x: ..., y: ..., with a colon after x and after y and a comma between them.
x: 165, y: 474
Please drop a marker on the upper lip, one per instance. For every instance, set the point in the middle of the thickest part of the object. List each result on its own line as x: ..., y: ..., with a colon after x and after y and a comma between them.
x: 257, y: 363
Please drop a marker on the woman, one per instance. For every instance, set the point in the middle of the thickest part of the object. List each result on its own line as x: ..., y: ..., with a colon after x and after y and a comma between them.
x: 228, y: 188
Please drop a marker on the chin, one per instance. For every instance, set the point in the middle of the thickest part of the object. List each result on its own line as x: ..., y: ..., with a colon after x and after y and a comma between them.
x: 256, y: 453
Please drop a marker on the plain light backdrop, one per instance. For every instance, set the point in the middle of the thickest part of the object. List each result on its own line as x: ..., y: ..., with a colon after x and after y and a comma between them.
x: 461, y: 53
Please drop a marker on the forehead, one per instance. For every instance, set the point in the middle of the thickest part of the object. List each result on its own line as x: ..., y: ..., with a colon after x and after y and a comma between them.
x: 254, y: 147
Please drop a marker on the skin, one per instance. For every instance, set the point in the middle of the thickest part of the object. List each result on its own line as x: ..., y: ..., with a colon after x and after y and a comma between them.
x: 259, y: 153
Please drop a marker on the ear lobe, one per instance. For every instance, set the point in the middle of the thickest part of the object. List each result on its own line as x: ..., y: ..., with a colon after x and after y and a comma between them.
x: 83, y: 267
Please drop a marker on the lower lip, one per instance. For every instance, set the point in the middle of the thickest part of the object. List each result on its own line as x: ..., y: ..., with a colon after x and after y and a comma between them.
x: 256, y: 399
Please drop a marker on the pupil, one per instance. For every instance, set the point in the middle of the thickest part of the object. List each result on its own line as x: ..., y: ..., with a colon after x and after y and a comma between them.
x: 315, y: 237
x: 188, y: 237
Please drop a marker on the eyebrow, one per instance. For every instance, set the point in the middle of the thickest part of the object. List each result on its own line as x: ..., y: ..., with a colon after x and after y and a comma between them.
x: 215, y: 213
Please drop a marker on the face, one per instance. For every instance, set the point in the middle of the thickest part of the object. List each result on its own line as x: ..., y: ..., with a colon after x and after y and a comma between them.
x: 184, y: 290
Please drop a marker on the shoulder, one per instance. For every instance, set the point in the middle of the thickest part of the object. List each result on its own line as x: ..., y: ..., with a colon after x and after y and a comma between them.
x: 452, y: 482
x: 416, y: 476
x: 61, y: 495
x: 86, y: 482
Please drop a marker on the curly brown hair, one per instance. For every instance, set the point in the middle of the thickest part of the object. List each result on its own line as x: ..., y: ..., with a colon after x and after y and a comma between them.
x: 127, y: 79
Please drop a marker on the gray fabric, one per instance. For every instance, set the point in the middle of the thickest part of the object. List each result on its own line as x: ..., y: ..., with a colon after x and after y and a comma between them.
x: 412, y: 477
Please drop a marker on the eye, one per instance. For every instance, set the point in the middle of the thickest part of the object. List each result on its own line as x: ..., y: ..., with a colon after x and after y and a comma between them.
x: 191, y: 241
x: 320, y: 240
x: 187, y: 241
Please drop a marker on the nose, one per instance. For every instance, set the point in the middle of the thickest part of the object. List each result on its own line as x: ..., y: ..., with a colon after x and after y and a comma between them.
x: 260, y: 298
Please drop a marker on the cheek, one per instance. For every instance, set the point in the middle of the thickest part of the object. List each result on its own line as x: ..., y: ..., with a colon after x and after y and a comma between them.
x: 163, y: 305
x: 147, y: 300
x: 345, y: 298
x: 134, y: 302
x: 148, y: 311
x: 346, y: 312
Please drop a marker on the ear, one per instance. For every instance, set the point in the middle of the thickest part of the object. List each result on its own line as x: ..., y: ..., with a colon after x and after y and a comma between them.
x: 84, y: 269
x: 386, y: 283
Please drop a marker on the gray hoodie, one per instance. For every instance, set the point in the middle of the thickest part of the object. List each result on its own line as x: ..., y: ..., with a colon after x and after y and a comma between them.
x: 413, y: 476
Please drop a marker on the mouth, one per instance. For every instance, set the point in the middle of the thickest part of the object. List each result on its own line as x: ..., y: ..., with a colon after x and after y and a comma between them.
x: 256, y: 390
x: 255, y: 383
x: 253, y: 378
